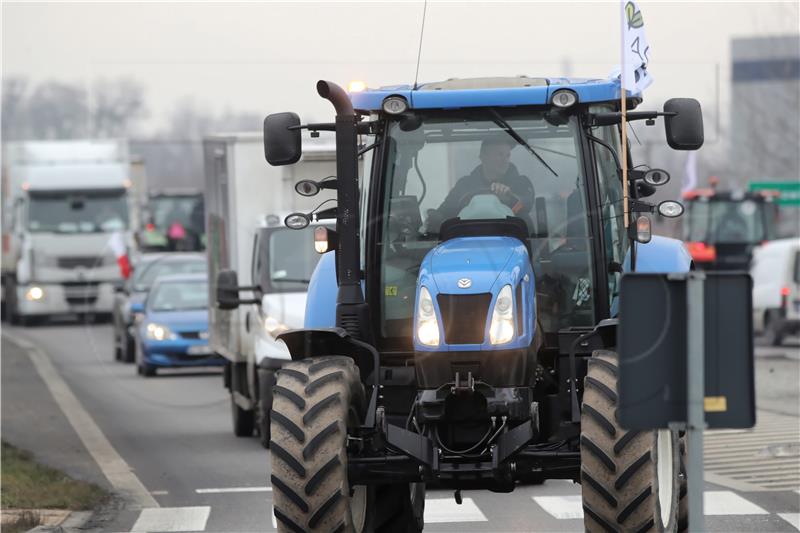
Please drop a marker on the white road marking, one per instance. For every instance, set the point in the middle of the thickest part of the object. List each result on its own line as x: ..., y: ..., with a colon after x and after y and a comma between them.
x: 159, y: 492
x: 171, y: 519
x: 725, y: 502
x: 443, y: 510
x: 229, y: 490
x: 111, y: 463
x: 561, y: 507
x: 792, y: 518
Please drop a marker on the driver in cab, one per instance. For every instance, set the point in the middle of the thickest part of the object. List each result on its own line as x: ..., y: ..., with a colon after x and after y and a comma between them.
x: 495, y: 175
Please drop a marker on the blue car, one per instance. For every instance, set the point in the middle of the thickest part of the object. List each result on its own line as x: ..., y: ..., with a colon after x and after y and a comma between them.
x: 173, y: 330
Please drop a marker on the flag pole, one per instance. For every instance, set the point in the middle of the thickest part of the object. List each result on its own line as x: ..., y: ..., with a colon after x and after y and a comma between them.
x: 623, y: 108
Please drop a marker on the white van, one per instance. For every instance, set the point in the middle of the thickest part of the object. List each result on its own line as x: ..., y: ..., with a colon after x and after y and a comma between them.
x: 776, y: 289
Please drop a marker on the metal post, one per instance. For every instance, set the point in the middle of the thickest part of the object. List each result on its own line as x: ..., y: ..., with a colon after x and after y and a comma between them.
x: 695, y: 372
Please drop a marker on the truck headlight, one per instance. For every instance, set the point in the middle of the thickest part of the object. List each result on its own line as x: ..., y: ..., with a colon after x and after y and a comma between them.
x: 159, y: 332
x: 501, y: 329
x: 34, y: 294
x: 274, y: 327
x: 427, y: 324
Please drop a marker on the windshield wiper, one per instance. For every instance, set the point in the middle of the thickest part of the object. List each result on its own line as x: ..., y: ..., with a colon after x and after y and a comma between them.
x: 500, y: 121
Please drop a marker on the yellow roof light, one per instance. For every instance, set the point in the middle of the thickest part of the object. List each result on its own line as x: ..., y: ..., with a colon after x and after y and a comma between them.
x: 356, y: 86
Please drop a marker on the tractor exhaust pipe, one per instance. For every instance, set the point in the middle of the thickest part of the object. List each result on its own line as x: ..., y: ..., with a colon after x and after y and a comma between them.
x: 351, y: 311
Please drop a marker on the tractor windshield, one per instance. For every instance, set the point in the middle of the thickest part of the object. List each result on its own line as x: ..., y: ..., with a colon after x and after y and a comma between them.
x: 467, y: 164
x: 722, y: 221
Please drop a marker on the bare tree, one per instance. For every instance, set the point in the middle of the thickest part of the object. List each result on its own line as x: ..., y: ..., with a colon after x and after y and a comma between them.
x: 116, y: 107
x: 14, y: 120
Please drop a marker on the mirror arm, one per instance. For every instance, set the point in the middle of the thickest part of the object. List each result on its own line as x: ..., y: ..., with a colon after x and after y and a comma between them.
x: 319, y: 126
x: 327, y: 214
x: 615, y: 117
x: 637, y: 206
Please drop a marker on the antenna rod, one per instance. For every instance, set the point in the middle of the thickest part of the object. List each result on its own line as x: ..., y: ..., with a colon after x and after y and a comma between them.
x: 419, y: 51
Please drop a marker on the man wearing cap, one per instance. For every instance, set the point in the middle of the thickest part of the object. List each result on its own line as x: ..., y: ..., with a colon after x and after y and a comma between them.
x: 495, y: 174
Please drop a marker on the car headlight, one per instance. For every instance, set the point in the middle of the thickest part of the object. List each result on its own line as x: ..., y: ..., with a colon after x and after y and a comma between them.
x: 159, y: 332
x: 501, y: 329
x: 427, y: 324
x: 34, y: 294
x: 274, y: 327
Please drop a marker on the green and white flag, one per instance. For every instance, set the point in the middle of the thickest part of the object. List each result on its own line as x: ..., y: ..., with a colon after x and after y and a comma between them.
x: 635, y: 49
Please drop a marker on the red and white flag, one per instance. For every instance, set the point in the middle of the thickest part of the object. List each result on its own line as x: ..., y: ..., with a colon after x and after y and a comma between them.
x: 117, y: 245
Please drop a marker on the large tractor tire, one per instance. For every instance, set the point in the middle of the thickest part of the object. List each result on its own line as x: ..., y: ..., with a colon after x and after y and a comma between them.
x: 314, y: 402
x: 629, y: 479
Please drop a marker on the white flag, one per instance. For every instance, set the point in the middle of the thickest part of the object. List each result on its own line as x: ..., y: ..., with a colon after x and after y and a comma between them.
x: 635, y: 49
x: 690, y: 176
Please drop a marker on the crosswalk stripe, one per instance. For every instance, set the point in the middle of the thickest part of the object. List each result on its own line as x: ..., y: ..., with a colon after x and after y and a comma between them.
x: 792, y: 518
x: 561, y: 507
x: 443, y: 510
x: 233, y: 490
x: 725, y: 502
x: 172, y: 519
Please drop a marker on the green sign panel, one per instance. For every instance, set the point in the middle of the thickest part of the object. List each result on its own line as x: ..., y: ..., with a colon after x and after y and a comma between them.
x: 789, y: 190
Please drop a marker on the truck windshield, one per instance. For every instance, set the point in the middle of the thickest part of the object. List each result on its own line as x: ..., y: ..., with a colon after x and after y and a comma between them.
x: 727, y: 221
x: 78, y: 212
x: 290, y: 258
x: 445, y: 165
x: 186, y: 210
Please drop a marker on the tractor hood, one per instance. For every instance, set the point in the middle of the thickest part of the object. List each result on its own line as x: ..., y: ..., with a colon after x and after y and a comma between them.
x: 471, y: 265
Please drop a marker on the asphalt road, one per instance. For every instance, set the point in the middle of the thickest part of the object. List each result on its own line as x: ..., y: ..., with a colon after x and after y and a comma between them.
x: 174, y: 431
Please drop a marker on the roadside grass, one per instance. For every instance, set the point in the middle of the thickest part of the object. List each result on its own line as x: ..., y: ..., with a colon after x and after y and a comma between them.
x: 27, y: 484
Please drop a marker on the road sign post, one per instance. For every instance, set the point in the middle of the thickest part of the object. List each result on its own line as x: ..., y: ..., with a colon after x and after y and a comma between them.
x: 686, y: 360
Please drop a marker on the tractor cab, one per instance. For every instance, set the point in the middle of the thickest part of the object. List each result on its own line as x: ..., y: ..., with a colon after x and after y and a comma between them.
x: 722, y: 228
x: 474, y: 278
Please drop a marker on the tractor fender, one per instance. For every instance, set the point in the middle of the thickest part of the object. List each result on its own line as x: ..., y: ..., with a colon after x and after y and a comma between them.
x: 322, y: 292
x: 661, y: 255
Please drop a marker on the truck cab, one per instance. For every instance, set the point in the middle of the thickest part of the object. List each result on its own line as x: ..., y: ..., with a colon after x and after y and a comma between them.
x: 66, y: 200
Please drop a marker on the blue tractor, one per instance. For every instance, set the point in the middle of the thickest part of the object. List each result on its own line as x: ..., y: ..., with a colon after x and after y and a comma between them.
x: 463, y: 332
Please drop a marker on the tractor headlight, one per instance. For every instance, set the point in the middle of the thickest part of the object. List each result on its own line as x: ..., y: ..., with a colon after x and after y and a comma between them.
x: 159, y: 332
x: 501, y: 329
x: 427, y: 324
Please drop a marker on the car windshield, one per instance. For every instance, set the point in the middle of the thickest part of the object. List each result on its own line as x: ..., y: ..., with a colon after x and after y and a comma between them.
x: 78, y: 212
x: 469, y: 165
x: 165, y: 267
x: 292, y: 259
x: 185, y: 210
x: 727, y: 221
x: 180, y: 296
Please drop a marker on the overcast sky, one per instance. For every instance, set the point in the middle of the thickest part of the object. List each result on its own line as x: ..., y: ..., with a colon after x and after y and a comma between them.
x: 266, y: 57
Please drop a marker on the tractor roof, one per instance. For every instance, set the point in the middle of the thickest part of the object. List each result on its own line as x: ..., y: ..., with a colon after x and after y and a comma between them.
x: 487, y: 92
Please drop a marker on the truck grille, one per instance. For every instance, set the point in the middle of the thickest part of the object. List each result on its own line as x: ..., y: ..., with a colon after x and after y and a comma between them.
x: 75, y: 262
x: 464, y: 317
x: 80, y: 293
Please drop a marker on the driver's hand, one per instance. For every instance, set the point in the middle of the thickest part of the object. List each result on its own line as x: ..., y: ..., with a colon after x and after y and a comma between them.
x: 501, y: 190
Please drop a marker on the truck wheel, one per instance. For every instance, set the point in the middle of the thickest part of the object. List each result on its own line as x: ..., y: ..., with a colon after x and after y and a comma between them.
x: 266, y: 380
x: 314, y: 401
x: 629, y: 479
x: 128, y: 349
x: 243, y: 420
x: 772, y: 330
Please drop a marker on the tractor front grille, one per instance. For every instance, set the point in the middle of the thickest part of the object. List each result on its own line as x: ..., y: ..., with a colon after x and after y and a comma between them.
x: 464, y: 317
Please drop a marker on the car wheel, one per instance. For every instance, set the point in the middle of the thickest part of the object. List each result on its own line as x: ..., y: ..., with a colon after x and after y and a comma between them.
x: 128, y: 348
x: 773, y: 334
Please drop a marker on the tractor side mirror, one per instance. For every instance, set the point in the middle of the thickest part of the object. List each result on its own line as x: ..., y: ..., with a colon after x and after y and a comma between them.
x: 282, y: 142
x: 683, y: 123
x: 227, y: 290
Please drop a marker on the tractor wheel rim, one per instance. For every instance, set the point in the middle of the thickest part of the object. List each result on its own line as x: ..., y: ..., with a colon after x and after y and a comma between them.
x: 665, y: 472
x: 358, y: 508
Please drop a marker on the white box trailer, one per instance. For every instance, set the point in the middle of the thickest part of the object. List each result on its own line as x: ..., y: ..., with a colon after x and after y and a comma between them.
x: 246, y: 201
x: 62, y: 202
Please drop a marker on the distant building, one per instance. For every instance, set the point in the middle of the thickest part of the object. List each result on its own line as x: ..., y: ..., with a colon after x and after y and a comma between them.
x: 765, y: 109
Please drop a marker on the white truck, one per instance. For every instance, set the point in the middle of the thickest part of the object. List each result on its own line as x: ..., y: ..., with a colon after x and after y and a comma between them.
x: 248, y: 242
x: 62, y: 202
